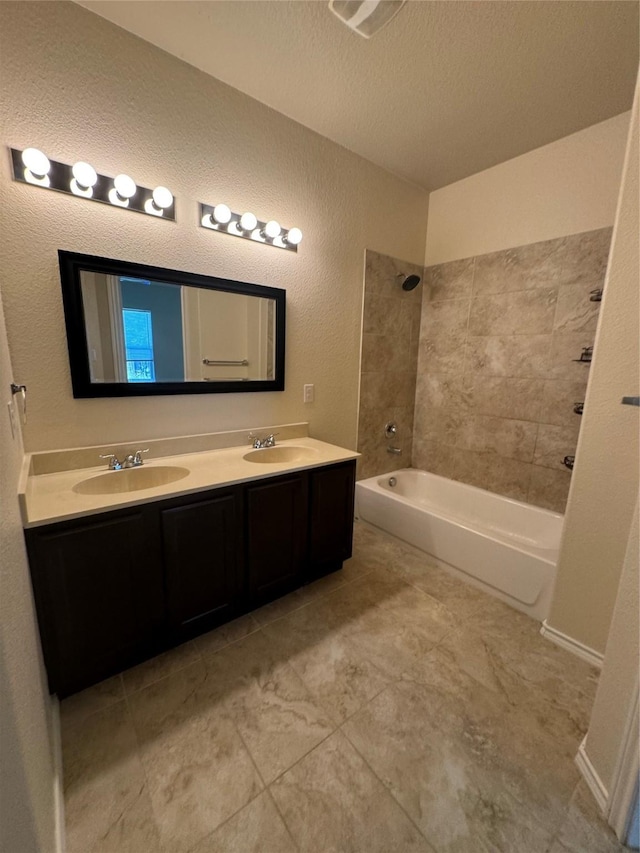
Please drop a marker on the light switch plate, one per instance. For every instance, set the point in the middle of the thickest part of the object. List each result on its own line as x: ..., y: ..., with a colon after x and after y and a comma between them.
x: 308, y: 394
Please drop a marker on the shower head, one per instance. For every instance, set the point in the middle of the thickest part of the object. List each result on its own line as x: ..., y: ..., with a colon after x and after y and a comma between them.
x: 410, y: 282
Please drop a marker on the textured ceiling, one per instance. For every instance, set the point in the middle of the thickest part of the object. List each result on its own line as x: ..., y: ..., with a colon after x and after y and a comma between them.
x: 445, y: 90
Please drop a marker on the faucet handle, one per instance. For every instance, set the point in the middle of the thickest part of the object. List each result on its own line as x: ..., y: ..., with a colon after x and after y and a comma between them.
x: 137, y: 459
x: 270, y: 440
x: 114, y: 462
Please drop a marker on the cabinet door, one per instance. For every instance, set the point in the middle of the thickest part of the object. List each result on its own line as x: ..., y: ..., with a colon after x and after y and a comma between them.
x: 203, y: 560
x: 276, y: 535
x: 332, y: 492
x: 99, y: 594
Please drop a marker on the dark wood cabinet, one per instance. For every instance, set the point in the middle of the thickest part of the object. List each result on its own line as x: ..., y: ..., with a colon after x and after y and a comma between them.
x: 99, y: 595
x: 114, y: 589
x: 276, y: 536
x: 202, y: 543
x: 331, y: 496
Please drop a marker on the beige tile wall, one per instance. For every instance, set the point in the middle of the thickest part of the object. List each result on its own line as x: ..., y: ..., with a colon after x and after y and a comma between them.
x: 496, y: 383
x: 391, y: 332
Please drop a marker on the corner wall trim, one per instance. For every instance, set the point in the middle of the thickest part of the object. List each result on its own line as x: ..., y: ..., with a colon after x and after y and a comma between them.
x: 590, y: 776
x: 574, y: 646
x: 58, y: 796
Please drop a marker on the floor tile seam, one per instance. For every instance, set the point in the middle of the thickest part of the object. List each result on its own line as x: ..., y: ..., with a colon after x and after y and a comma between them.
x: 313, y: 692
x: 276, y: 779
x: 313, y: 601
x: 265, y: 786
x: 69, y: 725
x: 147, y: 781
x: 129, y: 692
x: 554, y: 834
x: 282, y: 817
x: 391, y: 794
x: 205, y: 655
x: 412, y: 585
x: 445, y: 604
x: 224, y: 822
x: 129, y: 696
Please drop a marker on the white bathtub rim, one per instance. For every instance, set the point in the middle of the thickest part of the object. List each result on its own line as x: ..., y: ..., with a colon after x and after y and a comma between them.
x: 547, y: 555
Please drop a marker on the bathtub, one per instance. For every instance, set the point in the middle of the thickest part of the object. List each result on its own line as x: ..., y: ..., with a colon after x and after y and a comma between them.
x: 503, y: 546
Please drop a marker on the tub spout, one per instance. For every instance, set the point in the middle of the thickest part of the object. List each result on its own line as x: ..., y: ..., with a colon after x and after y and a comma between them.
x: 396, y: 450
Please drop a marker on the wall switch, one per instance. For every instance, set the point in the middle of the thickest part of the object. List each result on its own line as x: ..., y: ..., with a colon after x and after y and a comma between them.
x: 308, y: 394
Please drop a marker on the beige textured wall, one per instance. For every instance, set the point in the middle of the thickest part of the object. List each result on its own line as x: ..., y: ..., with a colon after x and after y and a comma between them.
x: 604, y: 487
x: 496, y: 377
x: 618, y: 685
x: 26, y: 777
x: 566, y: 187
x: 391, y: 330
x: 82, y: 88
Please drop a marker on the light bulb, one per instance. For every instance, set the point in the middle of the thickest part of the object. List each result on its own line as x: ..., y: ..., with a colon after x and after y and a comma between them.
x: 272, y: 229
x: 162, y: 197
x: 221, y: 214
x: 85, y: 175
x: 248, y: 222
x: 294, y: 236
x: 125, y: 186
x: 36, y: 162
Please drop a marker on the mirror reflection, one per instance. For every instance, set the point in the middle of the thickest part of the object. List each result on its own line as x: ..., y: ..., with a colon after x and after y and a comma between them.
x: 143, y: 331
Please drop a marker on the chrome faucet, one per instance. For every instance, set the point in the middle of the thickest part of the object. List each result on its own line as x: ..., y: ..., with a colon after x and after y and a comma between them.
x: 133, y: 460
x: 259, y: 443
x: 114, y: 462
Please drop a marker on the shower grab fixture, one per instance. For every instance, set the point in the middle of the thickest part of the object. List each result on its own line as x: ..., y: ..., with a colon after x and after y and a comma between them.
x: 585, y: 356
x: 410, y: 282
x: 569, y: 461
x: 578, y: 408
x: 32, y: 166
x: 596, y: 295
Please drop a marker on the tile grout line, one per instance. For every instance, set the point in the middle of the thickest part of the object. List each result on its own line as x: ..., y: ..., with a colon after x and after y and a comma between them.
x: 389, y: 792
x: 147, y: 783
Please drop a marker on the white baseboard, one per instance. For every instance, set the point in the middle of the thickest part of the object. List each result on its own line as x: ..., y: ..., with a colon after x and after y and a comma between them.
x: 58, y: 790
x: 590, y: 776
x: 574, y: 646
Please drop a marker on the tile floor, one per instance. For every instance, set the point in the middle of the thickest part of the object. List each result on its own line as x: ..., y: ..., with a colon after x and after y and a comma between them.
x: 385, y: 708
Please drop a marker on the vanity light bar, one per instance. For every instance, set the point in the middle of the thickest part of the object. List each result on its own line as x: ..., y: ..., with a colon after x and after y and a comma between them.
x: 31, y: 166
x: 221, y: 218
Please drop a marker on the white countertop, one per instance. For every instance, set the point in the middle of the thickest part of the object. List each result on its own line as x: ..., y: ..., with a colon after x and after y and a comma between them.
x: 47, y: 498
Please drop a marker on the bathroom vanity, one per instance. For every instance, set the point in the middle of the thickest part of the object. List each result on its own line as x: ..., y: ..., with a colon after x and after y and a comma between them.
x: 122, y: 576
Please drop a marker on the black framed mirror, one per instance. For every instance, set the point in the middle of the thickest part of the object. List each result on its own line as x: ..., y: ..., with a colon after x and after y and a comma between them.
x: 138, y: 330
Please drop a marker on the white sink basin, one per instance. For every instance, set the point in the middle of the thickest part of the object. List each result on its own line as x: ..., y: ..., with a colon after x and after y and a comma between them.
x: 131, y: 480
x: 290, y: 453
